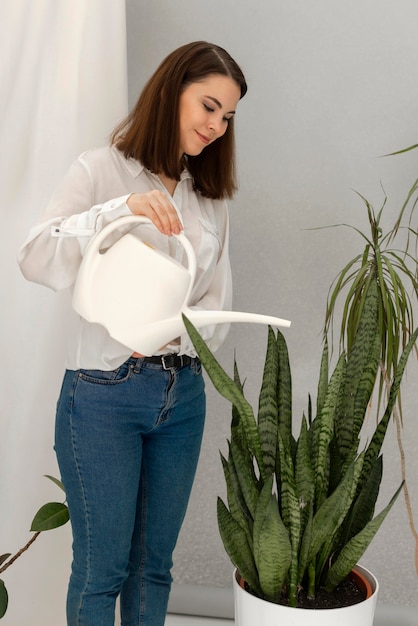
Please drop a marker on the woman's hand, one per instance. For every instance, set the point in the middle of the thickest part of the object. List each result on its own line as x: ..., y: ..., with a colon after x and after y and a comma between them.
x: 156, y: 206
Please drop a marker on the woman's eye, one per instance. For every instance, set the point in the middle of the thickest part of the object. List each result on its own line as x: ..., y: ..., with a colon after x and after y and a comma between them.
x: 208, y: 108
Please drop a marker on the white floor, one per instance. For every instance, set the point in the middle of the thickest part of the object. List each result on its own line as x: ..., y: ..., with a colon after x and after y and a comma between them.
x: 187, y: 620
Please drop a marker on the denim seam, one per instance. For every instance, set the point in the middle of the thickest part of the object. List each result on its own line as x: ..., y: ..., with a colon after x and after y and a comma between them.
x: 143, y: 548
x: 169, y: 398
x: 86, y: 510
x: 86, y: 377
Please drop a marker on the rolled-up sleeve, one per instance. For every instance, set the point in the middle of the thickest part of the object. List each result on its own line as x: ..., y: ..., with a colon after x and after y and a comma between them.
x: 52, y: 253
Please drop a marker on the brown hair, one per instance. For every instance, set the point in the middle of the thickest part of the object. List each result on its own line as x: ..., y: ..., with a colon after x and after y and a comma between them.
x: 150, y: 133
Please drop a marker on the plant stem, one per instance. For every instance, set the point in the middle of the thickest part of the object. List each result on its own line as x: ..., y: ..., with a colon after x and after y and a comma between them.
x: 18, y: 554
x: 405, y: 487
x: 398, y: 423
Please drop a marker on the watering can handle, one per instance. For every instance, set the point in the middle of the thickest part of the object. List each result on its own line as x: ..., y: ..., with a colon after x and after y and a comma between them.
x: 94, y: 246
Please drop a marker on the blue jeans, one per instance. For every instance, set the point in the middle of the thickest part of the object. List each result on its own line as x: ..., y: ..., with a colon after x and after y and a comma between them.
x: 127, y: 443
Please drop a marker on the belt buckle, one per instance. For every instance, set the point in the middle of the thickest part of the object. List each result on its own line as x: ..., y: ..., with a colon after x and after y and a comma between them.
x: 166, y: 358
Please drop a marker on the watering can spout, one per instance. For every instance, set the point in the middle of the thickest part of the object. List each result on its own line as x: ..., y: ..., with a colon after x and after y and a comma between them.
x: 151, y: 338
x: 203, y: 318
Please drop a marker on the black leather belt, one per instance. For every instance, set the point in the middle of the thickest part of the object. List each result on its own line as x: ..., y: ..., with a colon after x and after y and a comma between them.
x: 170, y: 360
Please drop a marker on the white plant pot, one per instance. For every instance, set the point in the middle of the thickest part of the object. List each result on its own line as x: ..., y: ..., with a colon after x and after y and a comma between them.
x: 252, y: 611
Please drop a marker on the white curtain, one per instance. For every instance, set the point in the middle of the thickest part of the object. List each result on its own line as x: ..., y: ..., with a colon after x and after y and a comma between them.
x: 63, y: 88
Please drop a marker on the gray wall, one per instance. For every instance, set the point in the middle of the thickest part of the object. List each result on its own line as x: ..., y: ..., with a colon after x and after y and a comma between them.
x: 332, y: 87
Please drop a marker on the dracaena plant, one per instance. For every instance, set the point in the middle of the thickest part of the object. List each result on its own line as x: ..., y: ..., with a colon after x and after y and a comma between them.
x: 300, y: 511
x: 50, y: 515
x: 392, y: 267
x: 394, y: 271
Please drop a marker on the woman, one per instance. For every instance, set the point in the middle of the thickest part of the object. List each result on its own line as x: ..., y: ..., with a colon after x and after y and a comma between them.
x: 128, y: 427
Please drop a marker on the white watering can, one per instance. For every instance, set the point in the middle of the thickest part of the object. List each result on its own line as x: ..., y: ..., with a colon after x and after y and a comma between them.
x: 139, y: 293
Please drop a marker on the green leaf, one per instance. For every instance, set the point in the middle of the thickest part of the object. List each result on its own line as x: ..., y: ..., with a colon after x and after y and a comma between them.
x: 376, y: 442
x: 402, y: 151
x: 229, y: 390
x: 328, y: 517
x: 4, y: 558
x: 49, y: 516
x: 236, y: 501
x: 237, y: 547
x: 356, y: 547
x: 323, y: 379
x: 304, y: 475
x: 4, y: 599
x: 272, y: 550
x: 336, y: 539
x: 324, y: 428
x: 364, y: 504
x: 237, y: 427
x: 291, y: 512
x: 56, y: 481
x: 362, y: 364
x: 284, y: 391
x: 305, y: 544
x: 267, y: 405
x: 246, y: 478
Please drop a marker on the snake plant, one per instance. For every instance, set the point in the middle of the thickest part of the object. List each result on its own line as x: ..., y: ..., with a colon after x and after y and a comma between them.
x: 300, y: 510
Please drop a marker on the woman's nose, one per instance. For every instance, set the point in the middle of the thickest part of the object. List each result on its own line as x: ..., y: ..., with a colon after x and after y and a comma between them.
x: 214, y: 125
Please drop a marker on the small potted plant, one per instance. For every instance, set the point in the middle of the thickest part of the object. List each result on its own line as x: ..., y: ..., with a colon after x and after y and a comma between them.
x: 300, y: 511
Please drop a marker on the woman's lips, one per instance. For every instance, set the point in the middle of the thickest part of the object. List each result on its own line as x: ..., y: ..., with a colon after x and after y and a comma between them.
x: 203, y: 138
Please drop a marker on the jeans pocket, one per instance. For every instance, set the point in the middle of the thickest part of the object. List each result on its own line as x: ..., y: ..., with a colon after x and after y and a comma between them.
x: 107, y: 377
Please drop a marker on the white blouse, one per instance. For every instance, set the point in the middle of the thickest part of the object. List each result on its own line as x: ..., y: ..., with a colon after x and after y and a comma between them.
x: 94, y: 193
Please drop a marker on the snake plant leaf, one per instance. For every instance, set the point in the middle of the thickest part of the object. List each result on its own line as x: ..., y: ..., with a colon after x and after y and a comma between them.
x: 324, y: 429
x: 376, y: 442
x: 362, y: 364
x: 284, y: 390
x: 304, y: 475
x: 365, y: 387
x: 364, y: 505
x: 4, y: 599
x: 323, y: 379
x: 236, y: 501
x: 246, y: 478
x: 327, y: 518
x: 49, y: 516
x: 237, y: 427
x: 290, y: 509
x: 332, y: 543
x: 290, y: 506
x: 356, y: 547
x: 305, y: 544
x: 267, y: 405
x: 272, y: 549
x: 355, y: 302
x: 237, y: 547
x: 363, y: 360
x: 229, y: 390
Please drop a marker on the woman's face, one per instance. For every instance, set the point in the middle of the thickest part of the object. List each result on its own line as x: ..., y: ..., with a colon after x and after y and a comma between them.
x: 205, y: 108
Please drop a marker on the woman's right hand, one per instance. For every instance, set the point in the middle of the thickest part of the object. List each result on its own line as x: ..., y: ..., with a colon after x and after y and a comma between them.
x: 156, y: 206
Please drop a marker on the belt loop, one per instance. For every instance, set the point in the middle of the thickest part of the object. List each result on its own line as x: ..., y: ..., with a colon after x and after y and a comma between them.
x: 138, y: 363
